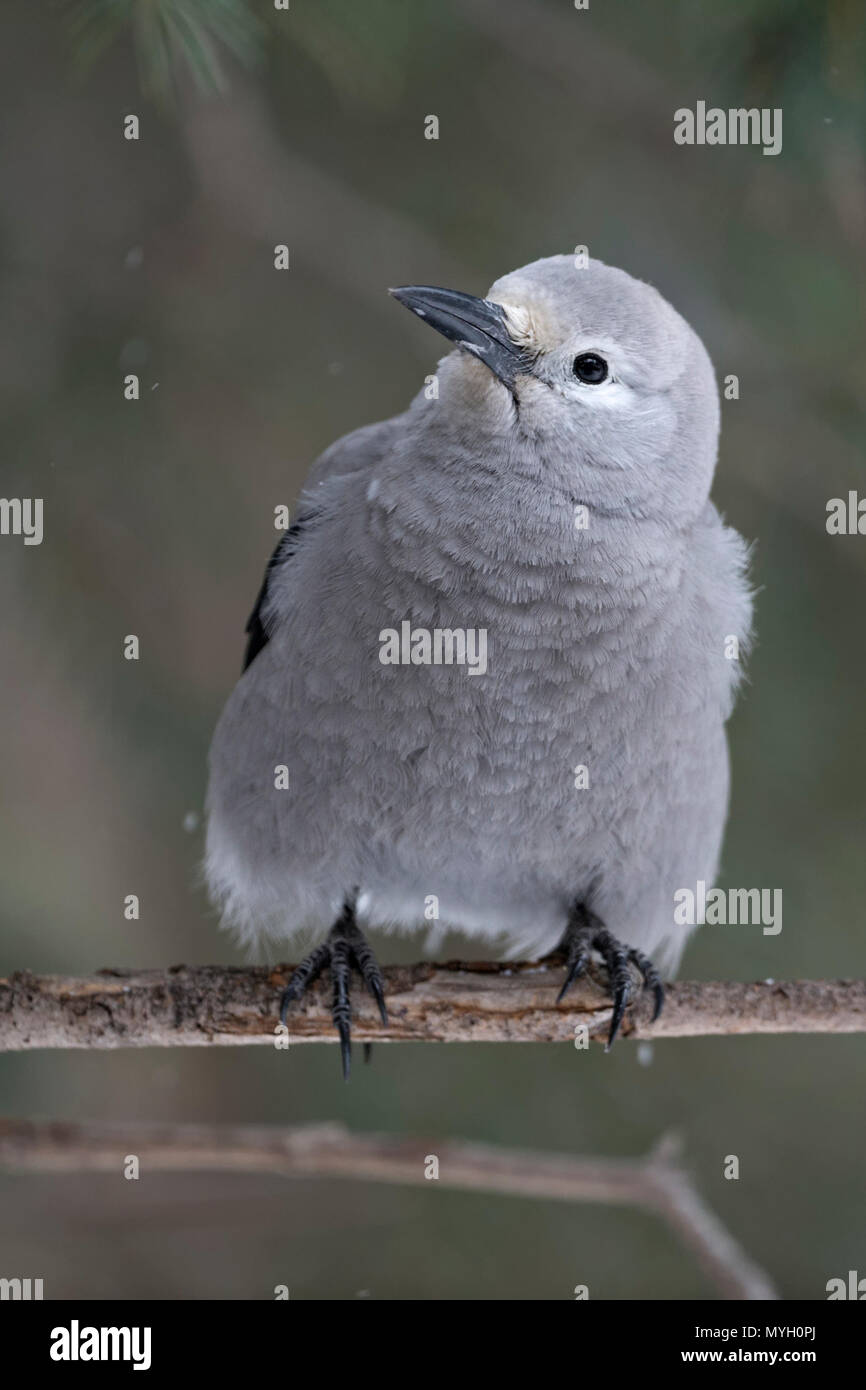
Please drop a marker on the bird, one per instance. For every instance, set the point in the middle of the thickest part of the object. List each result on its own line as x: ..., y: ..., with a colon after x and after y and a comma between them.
x: 545, y: 497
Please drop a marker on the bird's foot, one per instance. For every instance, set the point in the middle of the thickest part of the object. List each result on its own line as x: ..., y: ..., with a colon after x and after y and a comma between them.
x: 586, y: 933
x: 346, y: 947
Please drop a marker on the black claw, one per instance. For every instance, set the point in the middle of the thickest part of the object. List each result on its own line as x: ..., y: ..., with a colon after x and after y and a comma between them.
x: 619, y: 1008
x: 346, y: 946
x: 368, y: 1051
x: 586, y: 932
x: 575, y: 968
x: 615, y: 958
x: 621, y: 995
x: 659, y: 994
x: 341, y: 1009
x: 619, y: 1003
x: 345, y: 1049
x: 574, y: 945
x: 369, y: 970
x: 303, y: 975
x: 379, y: 995
x: 651, y: 979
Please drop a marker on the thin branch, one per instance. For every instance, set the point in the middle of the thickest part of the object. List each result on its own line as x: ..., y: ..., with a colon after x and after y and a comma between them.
x: 459, y: 1001
x: 656, y: 1183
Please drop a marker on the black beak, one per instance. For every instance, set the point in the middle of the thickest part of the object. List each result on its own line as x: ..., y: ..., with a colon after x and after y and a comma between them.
x: 477, y: 325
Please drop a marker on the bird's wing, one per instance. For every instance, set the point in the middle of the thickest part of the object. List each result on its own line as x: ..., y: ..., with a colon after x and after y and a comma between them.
x: 257, y: 634
x: 359, y: 450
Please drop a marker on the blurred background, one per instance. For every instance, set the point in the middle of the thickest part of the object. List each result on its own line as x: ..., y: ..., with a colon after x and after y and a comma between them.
x: 155, y: 256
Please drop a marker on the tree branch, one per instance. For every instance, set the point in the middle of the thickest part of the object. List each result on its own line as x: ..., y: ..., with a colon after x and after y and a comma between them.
x: 459, y: 1001
x: 656, y: 1183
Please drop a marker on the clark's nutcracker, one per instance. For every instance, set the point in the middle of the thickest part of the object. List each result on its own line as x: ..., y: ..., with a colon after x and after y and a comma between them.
x: 490, y: 665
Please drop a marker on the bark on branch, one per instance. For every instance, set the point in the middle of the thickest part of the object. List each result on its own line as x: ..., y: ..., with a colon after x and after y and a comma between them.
x: 459, y: 1001
x: 656, y: 1183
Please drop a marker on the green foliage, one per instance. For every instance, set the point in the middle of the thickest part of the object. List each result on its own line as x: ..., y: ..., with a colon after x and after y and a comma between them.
x: 170, y: 37
x: 806, y: 58
x: 360, y: 49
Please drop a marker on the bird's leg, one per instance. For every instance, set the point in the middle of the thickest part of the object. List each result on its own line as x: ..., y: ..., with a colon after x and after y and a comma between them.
x: 346, y: 947
x: 585, y: 933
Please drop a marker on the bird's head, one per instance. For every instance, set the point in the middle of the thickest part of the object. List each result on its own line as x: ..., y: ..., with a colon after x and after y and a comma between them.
x: 593, y: 370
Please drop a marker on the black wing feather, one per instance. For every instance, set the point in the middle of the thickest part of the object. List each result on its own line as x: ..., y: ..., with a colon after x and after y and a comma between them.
x: 257, y: 634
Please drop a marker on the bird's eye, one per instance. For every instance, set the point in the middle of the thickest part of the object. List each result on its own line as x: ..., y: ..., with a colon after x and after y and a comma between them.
x: 590, y: 368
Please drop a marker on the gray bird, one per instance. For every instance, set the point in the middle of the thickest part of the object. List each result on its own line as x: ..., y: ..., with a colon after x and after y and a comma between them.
x: 490, y: 665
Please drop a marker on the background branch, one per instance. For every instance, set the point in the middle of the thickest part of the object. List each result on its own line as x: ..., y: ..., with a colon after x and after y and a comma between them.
x: 656, y: 1183
x: 459, y: 1001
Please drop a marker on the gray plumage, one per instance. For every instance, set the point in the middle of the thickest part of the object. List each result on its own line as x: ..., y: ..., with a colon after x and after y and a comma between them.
x: 609, y: 647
